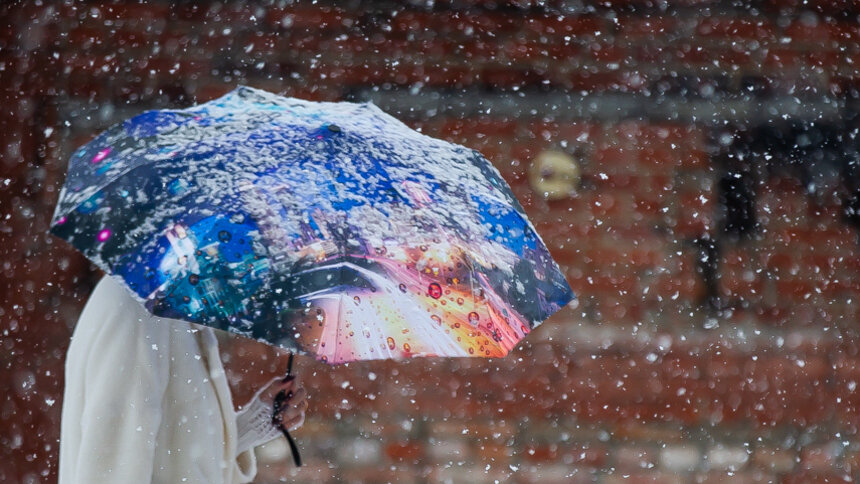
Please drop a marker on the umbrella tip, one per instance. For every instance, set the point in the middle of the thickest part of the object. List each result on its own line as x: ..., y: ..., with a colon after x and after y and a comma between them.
x: 334, y: 128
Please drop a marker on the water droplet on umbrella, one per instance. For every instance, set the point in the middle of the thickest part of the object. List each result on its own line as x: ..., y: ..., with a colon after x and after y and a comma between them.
x: 460, y: 301
x: 497, y: 337
x: 224, y: 236
x: 61, y: 221
x: 193, y: 279
x: 103, y: 235
x: 334, y: 128
x: 474, y: 318
x: 186, y: 299
x: 402, y: 287
x: 357, y: 300
x: 437, y: 319
x: 390, y: 342
x: 434, y: 290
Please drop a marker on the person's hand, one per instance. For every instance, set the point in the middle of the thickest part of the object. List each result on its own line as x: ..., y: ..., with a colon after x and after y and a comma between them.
x: 290, y: 404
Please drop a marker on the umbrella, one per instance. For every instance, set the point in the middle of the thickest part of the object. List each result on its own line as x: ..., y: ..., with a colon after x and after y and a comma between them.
x: 331, y: 229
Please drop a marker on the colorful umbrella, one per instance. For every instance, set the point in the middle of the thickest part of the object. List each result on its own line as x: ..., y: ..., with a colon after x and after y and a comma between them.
x: 331, y: 229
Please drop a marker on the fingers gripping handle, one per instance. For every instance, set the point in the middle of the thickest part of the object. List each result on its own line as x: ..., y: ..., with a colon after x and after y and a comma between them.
x: 280, y: 400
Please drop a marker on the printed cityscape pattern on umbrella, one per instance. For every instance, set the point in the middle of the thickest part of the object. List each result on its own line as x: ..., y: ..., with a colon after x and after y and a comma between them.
x: 330, y: 228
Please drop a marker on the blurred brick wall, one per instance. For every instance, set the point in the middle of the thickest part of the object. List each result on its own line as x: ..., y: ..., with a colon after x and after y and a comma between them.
x: 692, y: 356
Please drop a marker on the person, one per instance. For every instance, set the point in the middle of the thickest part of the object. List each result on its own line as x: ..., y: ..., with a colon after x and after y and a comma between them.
x: 147, y: 400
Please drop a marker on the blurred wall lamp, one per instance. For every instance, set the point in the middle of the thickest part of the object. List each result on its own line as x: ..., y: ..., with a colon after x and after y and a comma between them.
x: 554, y: 174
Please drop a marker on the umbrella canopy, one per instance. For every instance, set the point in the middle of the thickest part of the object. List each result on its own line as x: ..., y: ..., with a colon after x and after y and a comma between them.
x: 328, y: 228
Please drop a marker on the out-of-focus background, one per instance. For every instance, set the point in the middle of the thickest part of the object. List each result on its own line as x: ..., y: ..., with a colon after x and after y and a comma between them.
x: 692, y: 165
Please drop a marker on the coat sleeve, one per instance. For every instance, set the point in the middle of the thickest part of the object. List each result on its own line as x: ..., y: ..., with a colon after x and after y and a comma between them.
x: 116, y: 376
x: 254, y: 422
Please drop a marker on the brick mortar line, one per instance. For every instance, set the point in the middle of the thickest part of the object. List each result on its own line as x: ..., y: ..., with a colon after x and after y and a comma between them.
x: 596, y: 108
x: 602, y: 107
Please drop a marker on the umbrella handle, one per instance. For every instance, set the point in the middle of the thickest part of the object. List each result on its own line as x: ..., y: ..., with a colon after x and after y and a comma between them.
x: 280, y: 399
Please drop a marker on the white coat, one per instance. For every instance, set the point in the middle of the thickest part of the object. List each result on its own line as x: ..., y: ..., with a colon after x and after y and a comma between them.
x: 147, y: 401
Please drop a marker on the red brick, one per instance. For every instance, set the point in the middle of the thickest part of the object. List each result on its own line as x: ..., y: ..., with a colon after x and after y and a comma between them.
x: 643, y: 477
x: 447, y: 23
x: 728, y: 58
x: 694, y: 214
x: 615, y: 159
x: 807, y: 477
x: 660, y: 160
x: 779, y: 58
x: 736, y: 28
x: 743, y: 477
x: 608, y: 53
x: 851, y: 462
x: 774, y: 459
x: 132, y: 11
x: 315, y: 18
x: 846, y: 32
x: 86, y: 36
x: 846, y: 382
x: 572, y: 132
x: 820, y: 457
x: 527, y: 51
x: 739, y: 276
x: 496, y: 453
x: 405, y: 451
x: 506, y: 77
x: 621, y: 81
x: 829, y: 60
x: 564, y: 25
x: 479, y: 128
x: 476, y: 50
x: 818, y: 33
x: 820, y: 6
x: 690, y: 53
x: 635, y: 27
